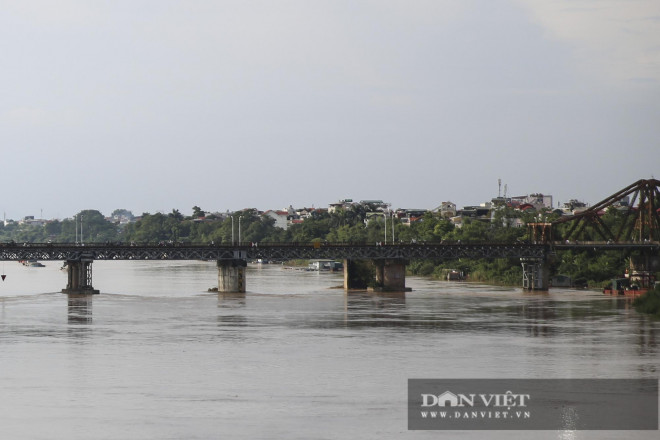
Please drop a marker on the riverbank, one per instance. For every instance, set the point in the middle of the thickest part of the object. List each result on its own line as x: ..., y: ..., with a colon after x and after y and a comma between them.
x: 649, y: 302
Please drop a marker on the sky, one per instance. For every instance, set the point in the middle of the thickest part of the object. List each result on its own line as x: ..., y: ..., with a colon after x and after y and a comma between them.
x: 158, y: 105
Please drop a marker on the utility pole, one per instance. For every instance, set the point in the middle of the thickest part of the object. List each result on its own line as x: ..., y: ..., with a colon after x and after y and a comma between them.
x: 239, y: 229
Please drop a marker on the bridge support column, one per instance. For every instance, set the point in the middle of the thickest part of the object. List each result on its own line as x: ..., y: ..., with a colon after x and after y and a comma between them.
x: 358, y: 274
x: 231, y: 275
x: 391, y: 275
x: 79, y: 277
x: 350, y: 281
x: 536, y: 274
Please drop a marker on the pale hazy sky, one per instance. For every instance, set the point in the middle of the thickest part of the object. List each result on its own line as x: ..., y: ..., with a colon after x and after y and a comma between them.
x: 155, y: 105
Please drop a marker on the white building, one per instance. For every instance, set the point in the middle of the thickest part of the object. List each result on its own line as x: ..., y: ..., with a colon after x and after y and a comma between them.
x: 342, y: 204
x: 573, y: 206
x: 30, y: 220
x: 538, y: 201
x: 446, y: 209
x: 280, y: 217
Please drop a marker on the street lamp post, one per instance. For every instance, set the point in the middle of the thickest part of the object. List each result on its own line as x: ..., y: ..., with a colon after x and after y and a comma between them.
x: 385, y: 220
x: 239, y: 229
x: 232, y: 229
x: 81, y: 229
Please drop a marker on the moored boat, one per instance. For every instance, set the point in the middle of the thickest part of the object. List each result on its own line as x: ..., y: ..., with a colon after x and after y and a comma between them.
x: 31, y: 263
x: 634, y: 283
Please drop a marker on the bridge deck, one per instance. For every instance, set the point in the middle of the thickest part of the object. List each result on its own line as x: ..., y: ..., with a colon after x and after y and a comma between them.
x: 290, y: 251
x: 270, y: 251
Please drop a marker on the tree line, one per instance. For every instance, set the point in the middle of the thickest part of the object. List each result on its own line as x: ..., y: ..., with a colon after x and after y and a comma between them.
x: 343, y: 225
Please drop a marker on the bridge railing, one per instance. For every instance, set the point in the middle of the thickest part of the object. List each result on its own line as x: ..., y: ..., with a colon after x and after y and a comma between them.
x: 258, y: 244
x: 317, y: 245
x: 604, y: 243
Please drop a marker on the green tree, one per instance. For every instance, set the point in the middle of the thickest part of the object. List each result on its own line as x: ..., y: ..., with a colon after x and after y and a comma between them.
x: 92, y: 223
x: 197, y: 212
x: 53, y: 229
x: 175, y: 214
x: 122, y: 213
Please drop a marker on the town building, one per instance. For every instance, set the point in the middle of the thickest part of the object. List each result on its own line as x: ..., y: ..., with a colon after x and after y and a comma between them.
x: 538, y: 201
x: 281, y: 218
x: 573, y: 207
x: 446, y: 209
x: 30, y: 220
x: 375, y: 205
x: 342, y: 204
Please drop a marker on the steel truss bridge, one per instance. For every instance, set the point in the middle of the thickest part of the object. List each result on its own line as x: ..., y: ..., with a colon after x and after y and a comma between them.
x: 637, y: 223
x: 292, y: 251
x: 638, y: 230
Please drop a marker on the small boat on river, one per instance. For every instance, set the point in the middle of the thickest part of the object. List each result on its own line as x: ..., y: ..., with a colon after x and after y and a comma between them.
x: 31, y: 263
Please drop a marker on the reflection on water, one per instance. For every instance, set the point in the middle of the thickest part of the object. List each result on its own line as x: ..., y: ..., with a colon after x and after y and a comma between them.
x: 647, y: 340
x: 79, y: 315
x: 79, y: 309
x: 231, y: 300
x: 382, y: 309
x: 230, y: 317
x: 160, y: 357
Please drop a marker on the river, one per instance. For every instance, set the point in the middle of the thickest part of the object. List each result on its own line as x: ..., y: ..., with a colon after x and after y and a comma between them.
x: 156, y: 356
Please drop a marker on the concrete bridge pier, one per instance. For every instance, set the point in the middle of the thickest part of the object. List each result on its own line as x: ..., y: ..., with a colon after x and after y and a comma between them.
x: 391, y: 275
x: 357, y: 274
x: 536, y: 274
x: 231, y: 275
x: 79, y: 277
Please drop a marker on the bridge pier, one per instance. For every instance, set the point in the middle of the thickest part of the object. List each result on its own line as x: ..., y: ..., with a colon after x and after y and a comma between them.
x: 79, y: 277
x: 352, y: 278
x: 391, y: 275
x: 536, y: 274
x: 231, y: 275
